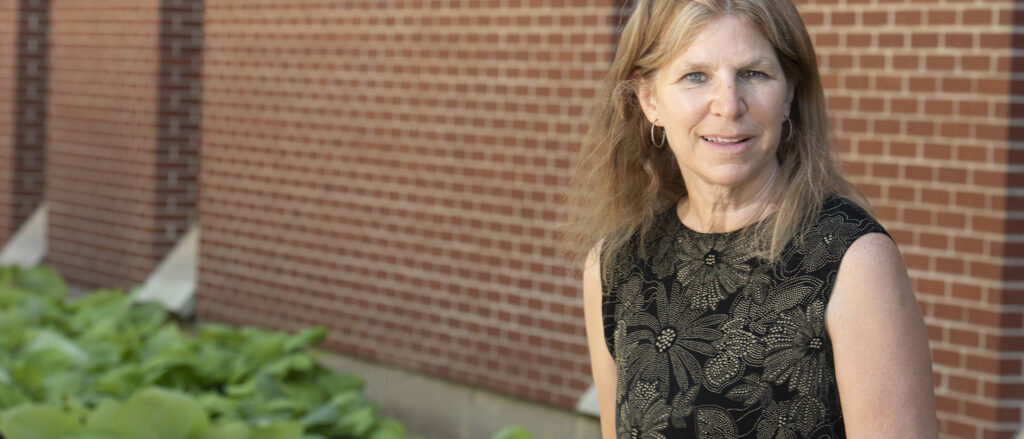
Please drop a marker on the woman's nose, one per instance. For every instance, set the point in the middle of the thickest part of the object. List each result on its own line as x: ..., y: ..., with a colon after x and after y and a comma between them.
x: 727, y: 101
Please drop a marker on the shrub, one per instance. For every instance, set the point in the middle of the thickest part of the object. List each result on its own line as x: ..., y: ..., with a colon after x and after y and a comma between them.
x: 104, y: 367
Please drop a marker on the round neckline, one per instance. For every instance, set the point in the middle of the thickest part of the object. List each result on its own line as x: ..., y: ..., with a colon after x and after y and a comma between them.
x: 674, y: 216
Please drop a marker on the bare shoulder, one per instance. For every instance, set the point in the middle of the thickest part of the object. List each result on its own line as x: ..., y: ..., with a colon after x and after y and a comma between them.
x: 872, y: 269
x: 880, y: 344
x: 872, y: 283
x: 874, y: 249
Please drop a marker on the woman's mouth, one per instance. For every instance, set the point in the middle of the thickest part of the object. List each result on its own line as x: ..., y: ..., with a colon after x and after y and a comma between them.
x: 725, y: 140
x: 728, y: 144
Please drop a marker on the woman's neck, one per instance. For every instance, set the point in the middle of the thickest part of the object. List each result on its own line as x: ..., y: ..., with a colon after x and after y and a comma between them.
x: 717, y: 209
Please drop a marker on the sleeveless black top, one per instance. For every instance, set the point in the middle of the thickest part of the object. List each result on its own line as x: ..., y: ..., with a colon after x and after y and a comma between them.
x: 710, y: 342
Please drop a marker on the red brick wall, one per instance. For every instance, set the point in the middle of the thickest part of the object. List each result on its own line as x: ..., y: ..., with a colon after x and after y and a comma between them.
x: 920, y: 92
x: 123, y: 136
x: 393, y: 170
x: 24, y: 45
x: 101, y: 159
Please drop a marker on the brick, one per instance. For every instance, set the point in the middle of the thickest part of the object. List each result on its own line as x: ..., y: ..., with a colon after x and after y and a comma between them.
x: 996, y: 41
x: 889, y: 83
x: 977, y: 17
x: 930, y: 287
x: 951, y: 130
x: 941, y: 17
x: 901, y: 105
x: 937, y: 151
x: 868, y: 61
x: 922, y: 173
x: 961, y: 429
x: 934, y: 196
x: 958, y: 40
x: 969, y: 245
x: 973, y: 108
x: 967, y: 292
x: 874, y: 18
x: 947, y: 405
x: 940, y: 62
x: 859, y: 40
x: 922, y: 84
x: 908, y: 17
x: 906, y: 62
x: 842, y: 18
x: 946, y: 357
x: 957, y: 85
x: 965, y: 385
x: 870, y: 104
x: 923, y: 41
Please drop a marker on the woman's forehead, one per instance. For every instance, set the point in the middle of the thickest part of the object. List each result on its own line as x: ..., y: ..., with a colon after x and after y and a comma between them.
x: 726, y: 40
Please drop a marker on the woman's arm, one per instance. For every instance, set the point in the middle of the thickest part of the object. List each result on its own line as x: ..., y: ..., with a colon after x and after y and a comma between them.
x: 601, y: 364
x: 883, y: 365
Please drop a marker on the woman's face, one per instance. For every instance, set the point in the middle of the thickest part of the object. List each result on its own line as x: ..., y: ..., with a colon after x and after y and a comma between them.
x: 722, y: 102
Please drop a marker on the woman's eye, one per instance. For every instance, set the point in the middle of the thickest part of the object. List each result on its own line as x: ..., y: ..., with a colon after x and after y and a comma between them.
x: 753, y: 74
x: 694, y: 77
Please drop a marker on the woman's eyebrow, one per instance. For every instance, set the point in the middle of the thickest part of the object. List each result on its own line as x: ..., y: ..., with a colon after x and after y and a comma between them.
x: 762, y: 63
x: 759, y: 63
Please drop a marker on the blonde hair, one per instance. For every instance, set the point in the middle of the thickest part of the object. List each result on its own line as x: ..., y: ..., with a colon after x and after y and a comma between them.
x: 622, y: 180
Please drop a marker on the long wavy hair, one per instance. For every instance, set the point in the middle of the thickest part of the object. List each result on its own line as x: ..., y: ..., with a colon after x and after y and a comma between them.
x: 622, y: 180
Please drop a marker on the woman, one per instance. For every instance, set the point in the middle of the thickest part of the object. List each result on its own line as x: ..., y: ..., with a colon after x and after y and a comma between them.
x: 736, y: 286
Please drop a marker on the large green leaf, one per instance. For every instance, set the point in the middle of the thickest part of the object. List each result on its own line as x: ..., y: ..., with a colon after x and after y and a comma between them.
x: 229, y: 430
x: 91, y: 434
x: 11, y: 295
x: 388, y: 429
x: 356, y: 423
x: 42, y: 280
x: 122, y: 381
x: 279, y: 430
x: 11, y: 396
x: 53, y: 352
x: 37, y: 422
x: 305, y: 339
x: 156, y: 414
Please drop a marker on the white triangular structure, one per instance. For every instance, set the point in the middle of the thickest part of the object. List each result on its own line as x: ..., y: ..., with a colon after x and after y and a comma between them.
x: 27, y: 247
x: 587, y: 403
x: 173, y: 282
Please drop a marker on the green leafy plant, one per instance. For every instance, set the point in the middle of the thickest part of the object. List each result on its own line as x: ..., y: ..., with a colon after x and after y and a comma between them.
x: 104, y: 367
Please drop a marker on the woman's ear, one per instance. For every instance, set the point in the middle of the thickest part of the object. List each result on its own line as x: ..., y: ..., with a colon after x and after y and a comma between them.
x: 789, y: 98
x: 645, y: 94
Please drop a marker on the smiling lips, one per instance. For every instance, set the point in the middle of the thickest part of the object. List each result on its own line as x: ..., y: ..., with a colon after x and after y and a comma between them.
x: 727, y: 140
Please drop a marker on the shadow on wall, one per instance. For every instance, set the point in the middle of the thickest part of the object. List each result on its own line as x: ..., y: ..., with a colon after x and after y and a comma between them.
x: 32, y: 80
x: 178, y: 119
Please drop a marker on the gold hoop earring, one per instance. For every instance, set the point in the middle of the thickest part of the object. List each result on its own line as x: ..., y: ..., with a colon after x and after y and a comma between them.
x: 789, y: 130
x: 656, y: 143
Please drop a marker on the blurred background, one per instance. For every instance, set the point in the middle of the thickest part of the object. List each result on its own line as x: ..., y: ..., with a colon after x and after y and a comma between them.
x: 394, y: 170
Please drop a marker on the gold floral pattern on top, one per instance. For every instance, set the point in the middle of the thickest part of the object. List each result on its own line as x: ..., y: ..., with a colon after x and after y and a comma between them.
x: 711, y: 342
x: 648, y: 417
x: 798, y: 353
x: 666, y: 342
x: 709, y: 269
x: 790, y: 419
x: 827, y: 241
x: 738, y: 347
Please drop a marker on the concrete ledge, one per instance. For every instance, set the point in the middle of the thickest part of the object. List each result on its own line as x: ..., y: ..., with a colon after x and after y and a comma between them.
x: 439, y: 409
